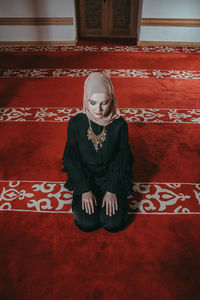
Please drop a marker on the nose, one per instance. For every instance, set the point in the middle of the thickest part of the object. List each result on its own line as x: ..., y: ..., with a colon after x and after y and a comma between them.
x: 99, y: 108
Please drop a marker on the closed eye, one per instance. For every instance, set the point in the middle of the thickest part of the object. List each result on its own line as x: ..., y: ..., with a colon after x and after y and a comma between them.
x: 105, y: 102
x: 92, y: 102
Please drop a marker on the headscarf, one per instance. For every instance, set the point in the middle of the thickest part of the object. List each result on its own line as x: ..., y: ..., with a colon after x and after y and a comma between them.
x: 99, y: 83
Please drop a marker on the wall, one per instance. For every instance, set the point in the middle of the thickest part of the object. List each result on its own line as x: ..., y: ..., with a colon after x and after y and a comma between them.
x: 57, y: 24
x: 176, y: 29
x: 56, y: 19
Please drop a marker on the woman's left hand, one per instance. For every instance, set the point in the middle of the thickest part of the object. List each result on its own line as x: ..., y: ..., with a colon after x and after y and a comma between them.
x: 110, y: 200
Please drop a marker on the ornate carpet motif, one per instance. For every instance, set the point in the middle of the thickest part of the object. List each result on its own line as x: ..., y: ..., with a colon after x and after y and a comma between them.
x: 34, y: 196
x: 148, y: 198
x: 114, y: 73
x: 99, y: 49
x: 56, y: 114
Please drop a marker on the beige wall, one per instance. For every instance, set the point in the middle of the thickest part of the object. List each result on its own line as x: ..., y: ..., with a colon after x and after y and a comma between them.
x: 64, y: 10
x: 60, y: 10
x: 173, y: 10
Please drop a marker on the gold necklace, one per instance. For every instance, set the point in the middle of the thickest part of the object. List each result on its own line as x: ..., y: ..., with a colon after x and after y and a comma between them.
x: 97, y: 140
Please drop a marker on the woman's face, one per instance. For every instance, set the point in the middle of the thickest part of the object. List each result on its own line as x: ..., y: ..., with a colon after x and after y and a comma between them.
x: 99, y: 105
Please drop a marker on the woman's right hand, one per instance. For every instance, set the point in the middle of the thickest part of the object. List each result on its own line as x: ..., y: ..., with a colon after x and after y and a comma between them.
x: 88, y: 201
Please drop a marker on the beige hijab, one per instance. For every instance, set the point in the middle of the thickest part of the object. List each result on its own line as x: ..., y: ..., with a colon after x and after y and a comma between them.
x: 100, y: 83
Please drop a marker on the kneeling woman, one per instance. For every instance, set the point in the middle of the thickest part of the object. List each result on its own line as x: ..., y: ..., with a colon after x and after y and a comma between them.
x: 98, y: 160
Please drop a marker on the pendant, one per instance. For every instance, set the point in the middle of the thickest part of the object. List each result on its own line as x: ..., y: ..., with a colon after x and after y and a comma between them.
x: 97, y: 140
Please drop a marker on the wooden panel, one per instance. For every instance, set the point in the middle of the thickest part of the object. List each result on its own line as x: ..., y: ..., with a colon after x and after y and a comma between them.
x: 36, y: 21
x: 92, y: 16
x: 122, y: 20
x: 170, y: 22
x: 119, y: 17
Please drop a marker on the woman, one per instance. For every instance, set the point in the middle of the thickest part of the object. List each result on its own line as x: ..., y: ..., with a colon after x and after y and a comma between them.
x: 98, y: 160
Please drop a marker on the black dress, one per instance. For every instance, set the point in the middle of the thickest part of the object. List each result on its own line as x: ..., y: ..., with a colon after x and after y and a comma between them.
x: 108, y: 169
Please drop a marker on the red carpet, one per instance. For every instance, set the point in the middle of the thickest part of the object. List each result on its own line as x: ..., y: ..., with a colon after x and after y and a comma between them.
x: 43, y: 255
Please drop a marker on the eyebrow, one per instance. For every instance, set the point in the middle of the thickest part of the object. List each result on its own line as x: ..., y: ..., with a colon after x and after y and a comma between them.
x: 99, y: 102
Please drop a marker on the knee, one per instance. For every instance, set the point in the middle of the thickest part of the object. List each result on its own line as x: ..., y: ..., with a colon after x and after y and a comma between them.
x: 113, y: 228
x: 87, y: 226
x: 114, y: 225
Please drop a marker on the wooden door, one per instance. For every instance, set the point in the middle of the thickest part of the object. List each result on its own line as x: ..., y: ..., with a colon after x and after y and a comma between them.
x: 108, y: 18
x: 92, y: 18
x: 122, y: 18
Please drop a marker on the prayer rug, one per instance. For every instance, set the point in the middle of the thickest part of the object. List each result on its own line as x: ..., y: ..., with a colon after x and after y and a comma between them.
x: 43, y: 255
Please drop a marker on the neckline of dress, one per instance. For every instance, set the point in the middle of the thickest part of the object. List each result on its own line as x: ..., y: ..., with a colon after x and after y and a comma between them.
x: 92, y: 122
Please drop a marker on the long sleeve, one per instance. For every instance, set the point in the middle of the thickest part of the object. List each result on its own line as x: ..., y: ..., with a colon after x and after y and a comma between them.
x: 78, y: 176
x: 119, y: 173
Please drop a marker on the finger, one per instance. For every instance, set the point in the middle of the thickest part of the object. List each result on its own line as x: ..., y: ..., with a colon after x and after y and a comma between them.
x: 110, y: 209
x: 95, y: 201
x: 113, y: 208
x: 116, y: 205
x: 86, y: 207
x: 92, y: 206
x: 89, y: 207
x: 103, y: 203
x: 107, y: 209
